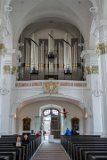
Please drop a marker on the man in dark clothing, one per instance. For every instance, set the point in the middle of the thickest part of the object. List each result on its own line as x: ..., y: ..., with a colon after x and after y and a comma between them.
x: 25, y: 140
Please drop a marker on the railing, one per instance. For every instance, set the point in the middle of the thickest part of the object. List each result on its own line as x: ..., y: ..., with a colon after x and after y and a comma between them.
x: 61, y: 83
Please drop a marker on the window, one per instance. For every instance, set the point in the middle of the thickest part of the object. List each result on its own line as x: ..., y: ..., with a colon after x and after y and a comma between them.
x: 50, y: 112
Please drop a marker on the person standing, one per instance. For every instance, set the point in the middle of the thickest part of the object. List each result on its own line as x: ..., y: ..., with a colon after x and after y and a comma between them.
x: 18, y: 141
x: 25, y: 140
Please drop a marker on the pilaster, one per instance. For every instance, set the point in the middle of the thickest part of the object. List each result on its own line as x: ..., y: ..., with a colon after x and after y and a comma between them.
x: 8, y: 74
x: 92, y: 76
x: 101, y: 50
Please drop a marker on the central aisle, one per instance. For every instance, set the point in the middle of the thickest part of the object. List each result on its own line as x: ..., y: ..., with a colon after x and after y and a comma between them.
x: 50, y: 151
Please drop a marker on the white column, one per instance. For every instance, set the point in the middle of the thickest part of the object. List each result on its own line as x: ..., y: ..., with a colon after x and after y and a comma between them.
x: 103, y: 75
x: 92, y: 77
x: 12, y: 124
x: 1, y: 77
x: 97, y: 104
x: 102, y: 61
x: 8, y: 83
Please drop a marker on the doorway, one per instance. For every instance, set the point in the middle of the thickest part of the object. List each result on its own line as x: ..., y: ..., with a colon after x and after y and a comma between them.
x: 51, y: 122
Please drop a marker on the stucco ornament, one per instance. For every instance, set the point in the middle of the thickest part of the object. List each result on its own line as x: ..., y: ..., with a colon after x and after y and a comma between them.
x: 101, y: 48
x: 91, y: 69
x: 2, y: 49
x: 51, y: 87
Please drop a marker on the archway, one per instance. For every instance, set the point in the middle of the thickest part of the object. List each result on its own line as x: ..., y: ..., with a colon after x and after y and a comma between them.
x: 35, y: 109
x: 51, y: 122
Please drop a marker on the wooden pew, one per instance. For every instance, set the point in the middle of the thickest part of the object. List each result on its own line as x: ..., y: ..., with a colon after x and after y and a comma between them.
x: 71, y: 150
x: 17, y: 150
x: 70, y: 143
x: 99, y: 153
x: 85, y: 153
x: 66, y: 140
x: 97, y: 157
x: 11, y: 154
x: 4, y: 157
x: 77, y: 147
x: 7, y: 141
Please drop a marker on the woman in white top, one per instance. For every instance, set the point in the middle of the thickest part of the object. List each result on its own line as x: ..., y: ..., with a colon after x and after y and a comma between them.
x: 18, y: 141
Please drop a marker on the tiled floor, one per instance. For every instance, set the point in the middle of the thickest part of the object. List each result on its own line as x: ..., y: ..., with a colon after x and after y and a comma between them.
x: 50, y: 151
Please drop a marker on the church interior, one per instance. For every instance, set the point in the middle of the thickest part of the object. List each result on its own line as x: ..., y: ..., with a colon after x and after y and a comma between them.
x: 53, y: 79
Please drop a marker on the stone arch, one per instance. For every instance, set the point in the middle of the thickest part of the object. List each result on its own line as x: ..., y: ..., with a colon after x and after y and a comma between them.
x: 28, y: 19
x: 32, y: 105
x: 47, y: 98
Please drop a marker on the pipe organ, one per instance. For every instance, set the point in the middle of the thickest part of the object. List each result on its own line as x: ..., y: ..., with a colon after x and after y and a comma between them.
x: 50, y: 58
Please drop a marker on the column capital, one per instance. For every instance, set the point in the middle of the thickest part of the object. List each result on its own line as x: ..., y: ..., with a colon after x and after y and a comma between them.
x: 11, y: 51
x: 90, y: 61
x: 103, y: 22
x: 90, y: 57
x: 9, y: 57
x: 87, y: 52
x: 8, y: 69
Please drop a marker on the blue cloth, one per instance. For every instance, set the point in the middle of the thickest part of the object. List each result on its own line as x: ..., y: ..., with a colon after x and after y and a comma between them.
x: 67, y: 132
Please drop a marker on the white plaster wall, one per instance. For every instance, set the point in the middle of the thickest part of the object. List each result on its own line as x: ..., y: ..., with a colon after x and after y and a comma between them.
x: 58, y: 34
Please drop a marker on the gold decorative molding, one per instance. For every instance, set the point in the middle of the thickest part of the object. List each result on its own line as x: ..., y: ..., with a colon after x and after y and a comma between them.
x: 101, y: 48
x: 27, y: 65
x: 74, y: 65
x: 51, y: 87
x: 61, y: 66
x: 2, y: 49
x: 91, y: 69
x: 41, y: 65
x: 8, y: 69
x: 46, y: 65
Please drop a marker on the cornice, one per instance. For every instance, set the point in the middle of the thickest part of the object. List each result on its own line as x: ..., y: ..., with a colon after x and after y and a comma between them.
x: 89, y: 53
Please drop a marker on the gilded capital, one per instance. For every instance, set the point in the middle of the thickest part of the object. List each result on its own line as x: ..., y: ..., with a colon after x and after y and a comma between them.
x: 2, y: 49
x: 101, y: 48
x: 8, y: 69
x: 91, y: 69
x: 51, y: 87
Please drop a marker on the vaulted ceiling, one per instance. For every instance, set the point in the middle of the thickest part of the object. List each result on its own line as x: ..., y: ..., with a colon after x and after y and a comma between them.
x: 62, y: 14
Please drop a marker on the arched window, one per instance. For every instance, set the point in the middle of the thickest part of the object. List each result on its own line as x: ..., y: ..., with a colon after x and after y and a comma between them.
x: 53, y: 112
x: 26, y: 124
